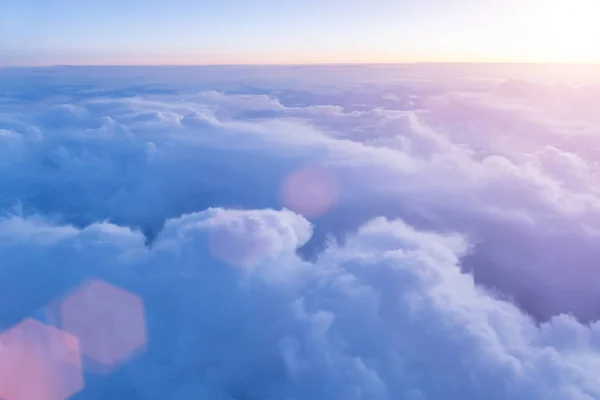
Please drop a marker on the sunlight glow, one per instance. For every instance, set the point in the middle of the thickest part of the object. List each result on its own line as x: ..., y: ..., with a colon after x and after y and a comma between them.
x: 572, y: 29
x: 386, y: 31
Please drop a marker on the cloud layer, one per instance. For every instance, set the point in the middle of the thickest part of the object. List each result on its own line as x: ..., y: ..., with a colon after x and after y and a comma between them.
x: 312, y: 233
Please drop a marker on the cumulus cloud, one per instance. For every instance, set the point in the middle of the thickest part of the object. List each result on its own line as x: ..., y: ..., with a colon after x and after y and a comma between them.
x: 434, y: 239
x: 387, y: 315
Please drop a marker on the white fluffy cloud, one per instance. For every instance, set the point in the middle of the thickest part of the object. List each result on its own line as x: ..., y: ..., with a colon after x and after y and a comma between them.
x: 387, y: 315
x: 148, y: 180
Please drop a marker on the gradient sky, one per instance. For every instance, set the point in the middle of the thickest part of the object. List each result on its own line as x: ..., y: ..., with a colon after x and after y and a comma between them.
x: 46, y: 32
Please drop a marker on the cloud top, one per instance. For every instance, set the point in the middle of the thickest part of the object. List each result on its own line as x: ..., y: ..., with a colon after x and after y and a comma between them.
x: 306, y: 233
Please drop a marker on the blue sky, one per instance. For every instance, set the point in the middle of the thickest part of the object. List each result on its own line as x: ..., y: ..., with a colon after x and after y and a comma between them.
x: 266, y: 31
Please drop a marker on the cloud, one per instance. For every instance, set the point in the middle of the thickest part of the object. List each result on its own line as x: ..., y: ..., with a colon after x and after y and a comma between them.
x: 387, y: 315
x: 447, y: 247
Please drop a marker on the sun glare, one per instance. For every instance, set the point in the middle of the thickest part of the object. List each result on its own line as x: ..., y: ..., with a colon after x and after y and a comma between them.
x: 570, y: 30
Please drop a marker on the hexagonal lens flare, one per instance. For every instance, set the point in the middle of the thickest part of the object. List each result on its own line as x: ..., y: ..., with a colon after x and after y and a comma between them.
x: 39, y: 362
x: 108, y: 321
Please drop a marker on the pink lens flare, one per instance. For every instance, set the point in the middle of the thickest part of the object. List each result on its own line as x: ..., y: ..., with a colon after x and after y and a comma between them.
x: 39, y: 362
x: 310, y: 191
x: 109, y: 322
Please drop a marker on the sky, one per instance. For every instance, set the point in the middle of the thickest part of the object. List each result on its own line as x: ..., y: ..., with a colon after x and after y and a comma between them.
x: 364, y: 232
x: 41, y: 32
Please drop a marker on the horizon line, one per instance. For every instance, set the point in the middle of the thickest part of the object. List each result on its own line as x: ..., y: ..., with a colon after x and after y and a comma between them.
x: 323, y: 64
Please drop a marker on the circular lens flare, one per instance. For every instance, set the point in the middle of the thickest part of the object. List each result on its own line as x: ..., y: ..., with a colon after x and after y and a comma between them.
x: 310, y: 191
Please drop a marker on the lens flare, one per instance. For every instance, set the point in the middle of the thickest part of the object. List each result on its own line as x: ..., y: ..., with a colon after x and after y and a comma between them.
x: 310, y: 191
x: 39, y: 362
x: 109, y: 322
